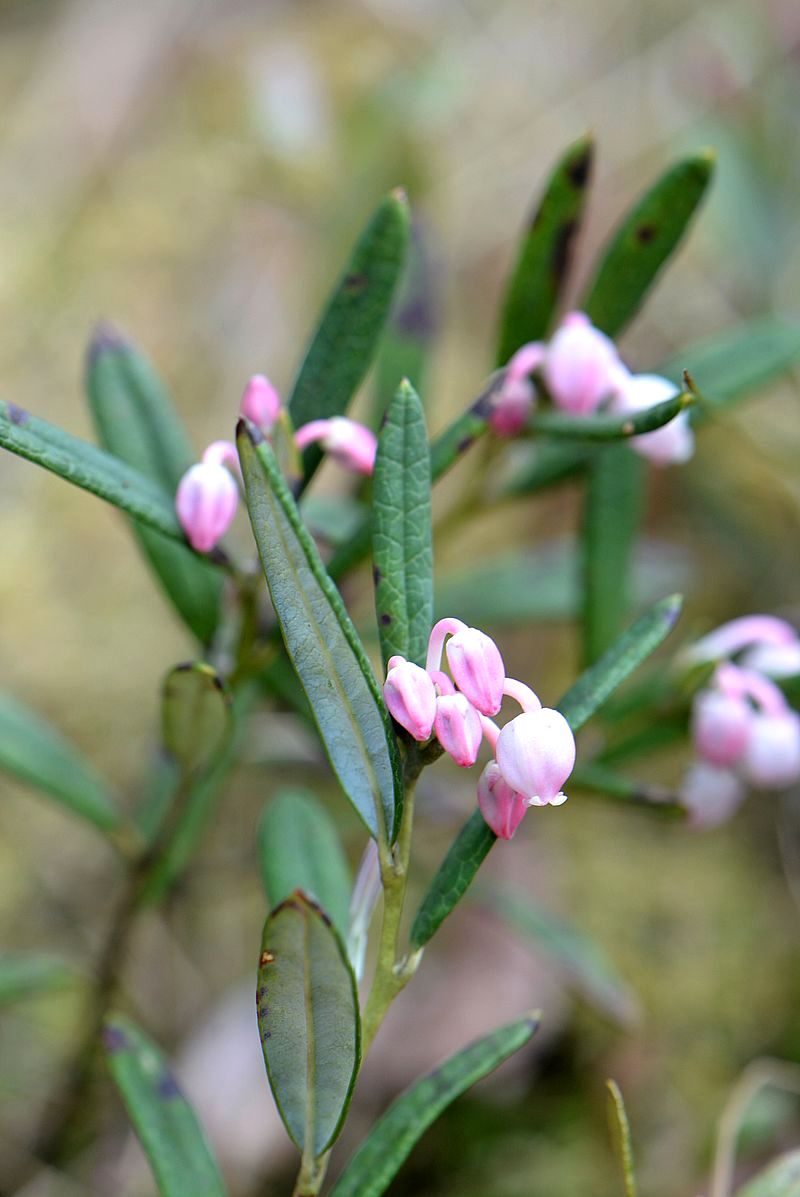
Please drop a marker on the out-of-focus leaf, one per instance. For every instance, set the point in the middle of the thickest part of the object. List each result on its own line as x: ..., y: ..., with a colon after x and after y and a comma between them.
x: 545, y: 253
x: 581, y: 958
x: 333, y: 518
x: 600, y: 779
x: 452, y: 443
x: 195, y: 714
x: 781, y: 1178
x: 609, y: 428
x: 621, y: 1137
x: 299, y: 848
x: 323, y: 646
x: 402, y: 550
x: 378, y: 1159
x: 464, y: 857
x: 88, y: 467
x: 164, y: 1122
x: 309, y: 1020
x: 135, y: 420
x: 644, y: 241
x: 736, y: 362
x: 548, y: 465
x: 595, y: 685
x: 612, y: 510
x: 409, y: 331
x: 346, y: 339
x: 23, y: 974
x: 37, y: 754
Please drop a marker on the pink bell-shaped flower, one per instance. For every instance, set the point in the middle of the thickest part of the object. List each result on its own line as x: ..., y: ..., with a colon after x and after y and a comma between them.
x: 261, y: 403
x: 772, y: 758
x: 721, y: 726
x: 536, y: 754
x: 206, y: 502
x: 517, y: 395
x: 410, y: 696
x: 458, y: 728
x: 710, y: 794
x: 581, y: 366
x: 477, y: 668
x: 352, y: 444
x: 501, y: 807
x: 673, y: 443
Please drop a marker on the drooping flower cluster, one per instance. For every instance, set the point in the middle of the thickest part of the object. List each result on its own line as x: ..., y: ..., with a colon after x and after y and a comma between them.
x: 208, y: 494
x: 581, y: 369
x: 534, y: 753
x: 743, y: 729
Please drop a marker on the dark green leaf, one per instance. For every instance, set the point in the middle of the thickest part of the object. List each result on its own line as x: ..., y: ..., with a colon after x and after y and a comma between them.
x: 545, y: 253
x: 402, y: 551
x: 24, y: 974
x: 634, y: 646
x: 781, y: 1178
x: 33, y: 751
x: 347, y: 337
x: 378, y: 1159
x: 621, y: 1137
x: 644, y: 241
x: 164, y: 1122
x: 323, y: 646
x: 299, y: 848
x: 612, y: 509
x: 195, y: 714
x: 465, y: 856
x: 88, y: 467
x: 309, y: 1022
x: 450, y: 445
x: 609, y: 428
x: 135, y: 421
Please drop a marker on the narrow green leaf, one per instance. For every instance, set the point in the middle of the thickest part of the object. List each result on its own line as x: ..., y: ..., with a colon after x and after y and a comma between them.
x: 781, y: 1178
x: 583, y: 961
x: 299, y: 848
x: 634, y: 646
x: 406, y: 343
x: 402, y: 550
x: 323, y: 645
x: 37, y: 754
x: 378, y: 1159
x: 621, y: 1137
x: 612, y: 509
x: 309, y: 1021
x: 609, y: 428
x: 136, y: 421
x: 195, y: 714
x: 600, y: 779
x: 545, y: 253
x: 644, y: 241
x: 164, y: 1122
x: 452, y: 443
x: 24, y: 974
x: 88, y: 467
x: 464, y: 857
x: 347, y: 337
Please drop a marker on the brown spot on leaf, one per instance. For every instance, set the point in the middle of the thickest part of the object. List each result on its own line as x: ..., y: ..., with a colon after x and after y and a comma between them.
x: 578, y: 171
x: 17, y: 415
x: 562, y: 245
x: 628, y: 428
x: 355, y: 284
x: 464, y: 444
x: 265, y: 958
x: 646, y: 233
x: 376, y: 575
x: 386, y: 619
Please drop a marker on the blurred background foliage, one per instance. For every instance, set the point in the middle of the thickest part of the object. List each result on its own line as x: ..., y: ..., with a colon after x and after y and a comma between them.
x: 196, y: 171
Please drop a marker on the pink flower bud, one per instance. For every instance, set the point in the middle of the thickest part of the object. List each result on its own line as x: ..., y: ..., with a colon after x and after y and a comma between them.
x: 206, y: 503
x: 261, y: 403
x: 352, y: 444
x: 720, y: 726
x: 477, y: 668
x: 511, y: 406
x: 710, y: 794
x: 410, y: 696
x: 673, y: 443
x: 772, y: 758
x: 501, y: 807
x: 581, y: 365
x: 536, y: 754
x: 458, y: 728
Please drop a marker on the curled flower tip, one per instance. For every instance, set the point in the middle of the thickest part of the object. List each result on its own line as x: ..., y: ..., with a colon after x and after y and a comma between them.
x: 206, y: 503
x: 774, y: 660
x: 352, y: 444
x: 772, y: 758
x: 721, y: 726
x: 745, y: 632
x: 458, y: 728
x: 581, y: 366
x: 710, y: 794
x: 222, y: 453
x: 261, y: 403
x: 410, y: 696
x: 673, y: 443
x: 501, y: 807
x: 536, y: 754
x: 477, y: 668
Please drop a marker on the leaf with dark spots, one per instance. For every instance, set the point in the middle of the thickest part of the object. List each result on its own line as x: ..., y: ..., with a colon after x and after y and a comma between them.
x: 646, y: 233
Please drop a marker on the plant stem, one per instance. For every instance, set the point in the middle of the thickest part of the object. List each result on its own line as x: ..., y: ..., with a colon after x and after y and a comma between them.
x: 311, y: 1175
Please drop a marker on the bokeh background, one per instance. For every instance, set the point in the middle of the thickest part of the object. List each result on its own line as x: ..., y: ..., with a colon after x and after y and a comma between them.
x: 196, y: 171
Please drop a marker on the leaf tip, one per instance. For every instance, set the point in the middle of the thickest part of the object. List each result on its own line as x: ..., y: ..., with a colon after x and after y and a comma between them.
x: 400, y: 196
x: 105, y: 338
x: 672, y: 607
x: 245, y: 428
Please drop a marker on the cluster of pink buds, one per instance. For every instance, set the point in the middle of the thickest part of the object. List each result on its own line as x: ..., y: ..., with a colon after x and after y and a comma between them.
x: 582, y: 370
x: 534, y: 753
x: 743, y: 729
x: 208, y: 495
